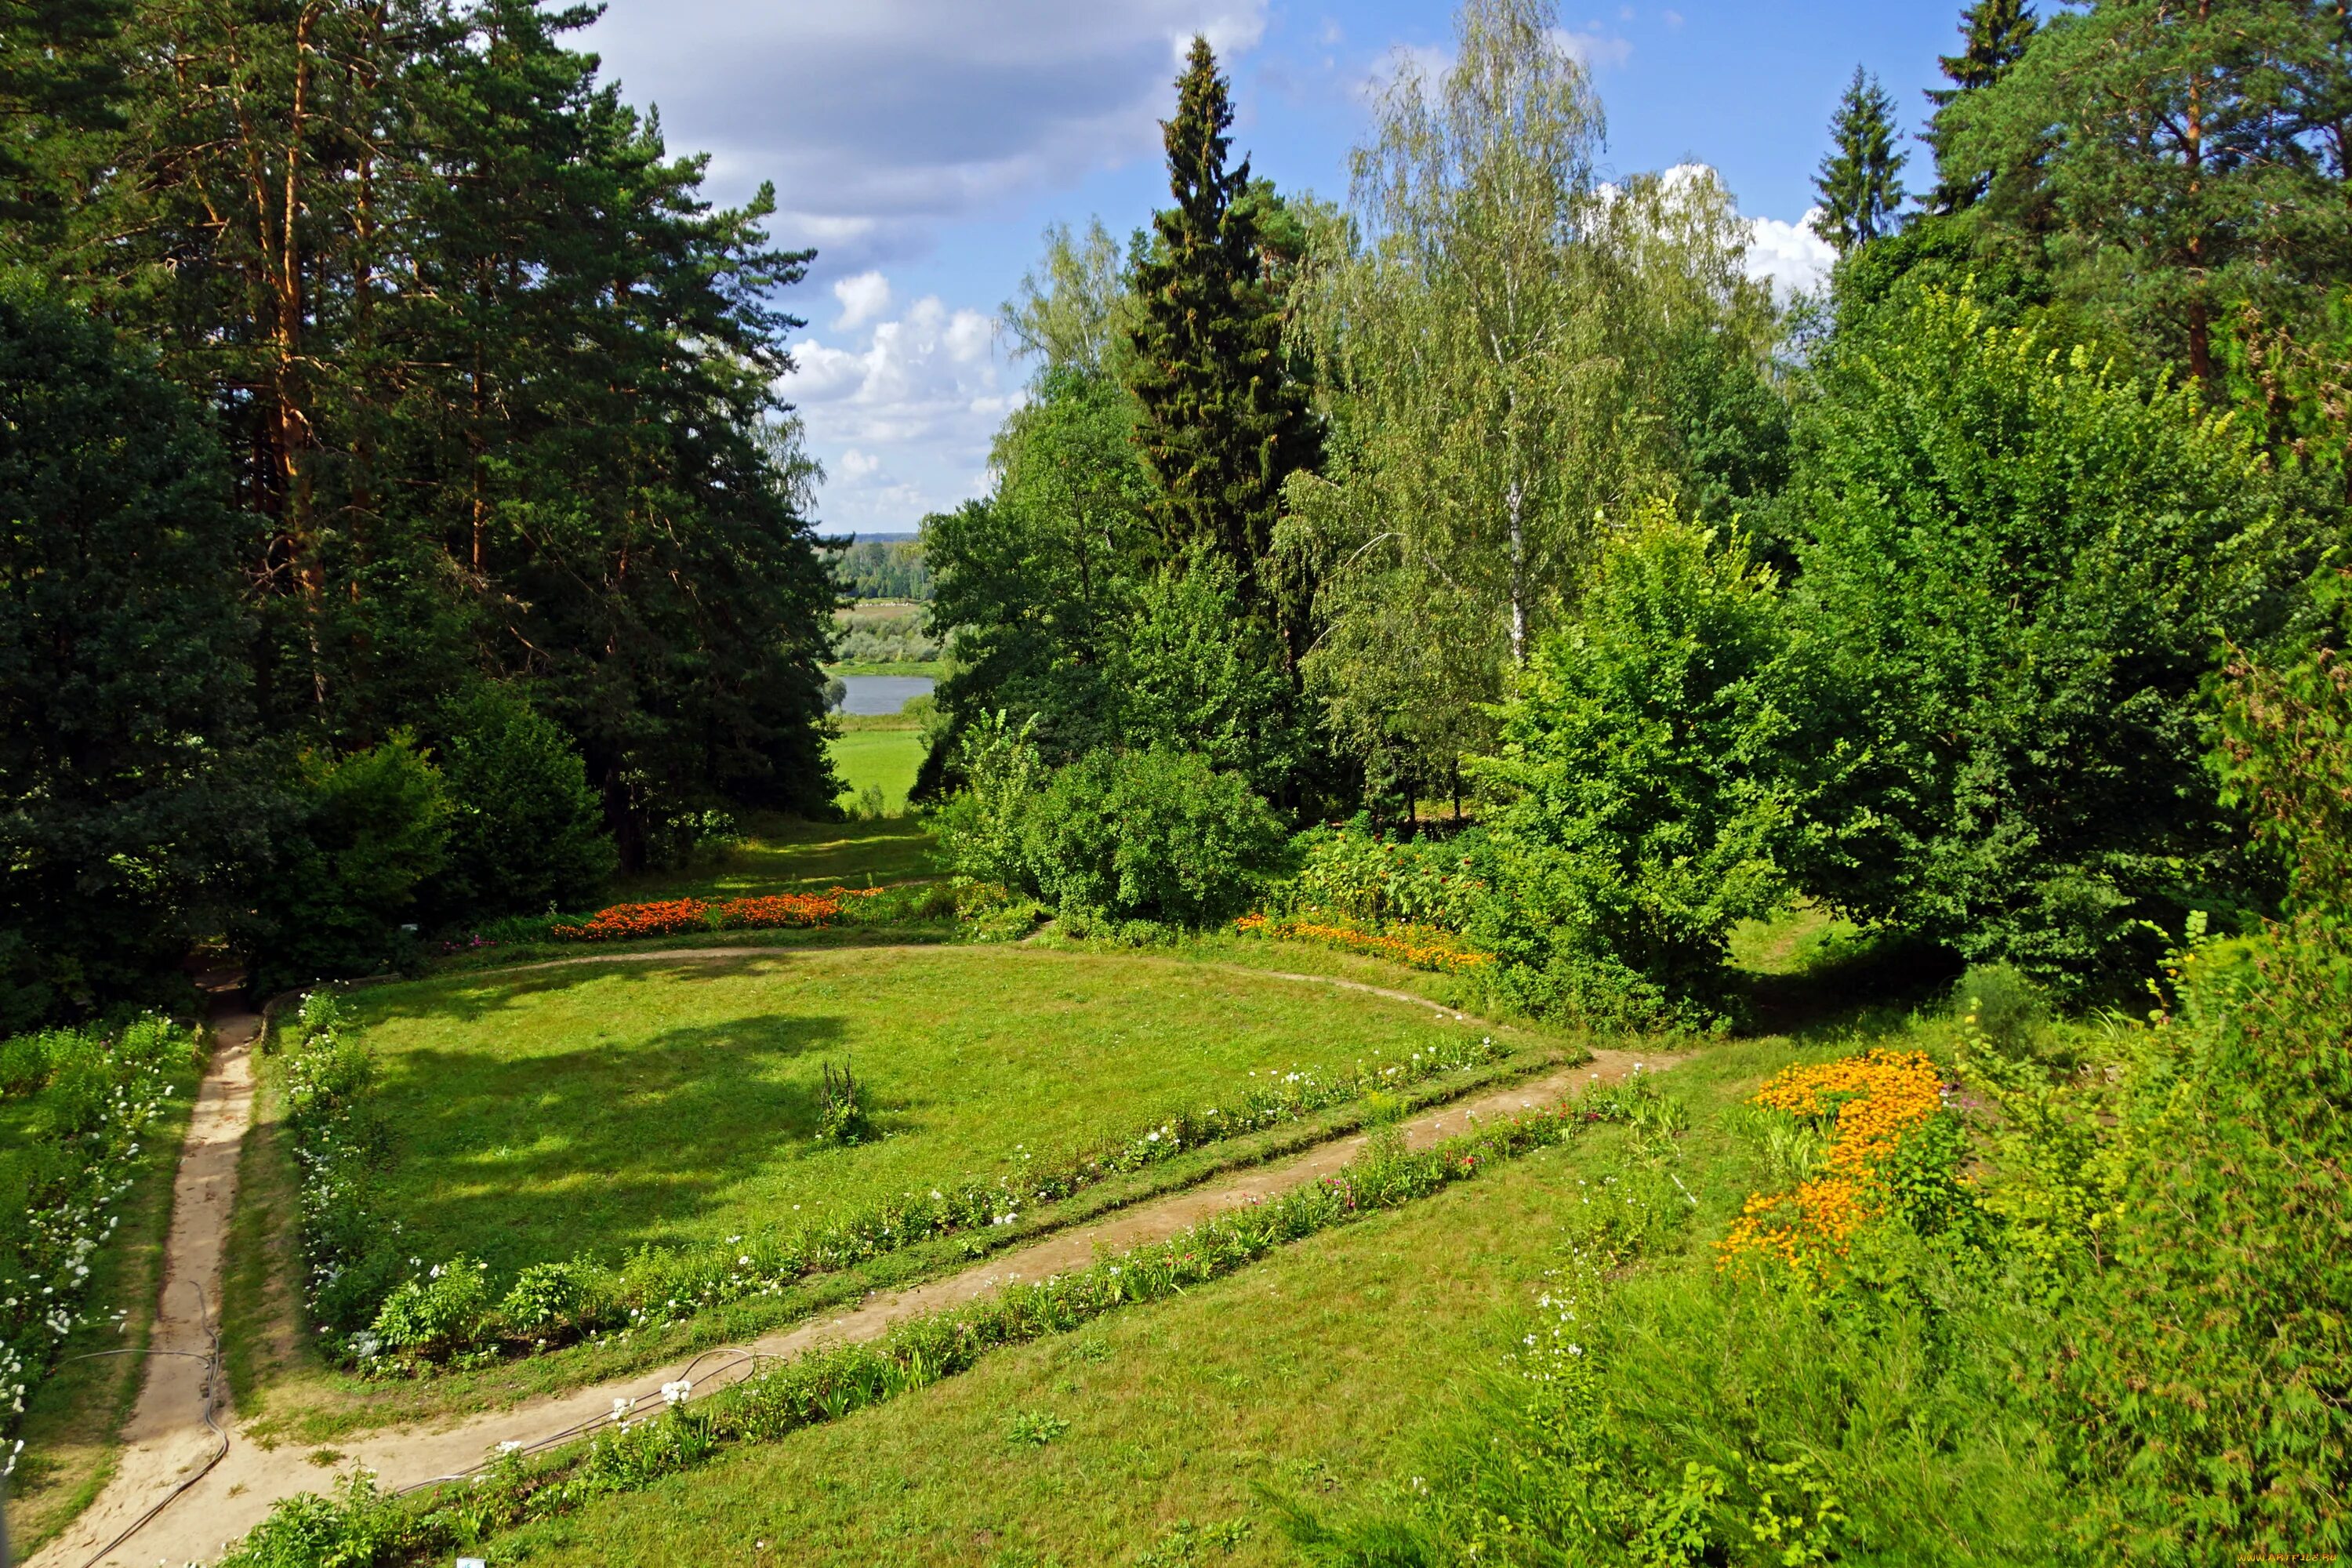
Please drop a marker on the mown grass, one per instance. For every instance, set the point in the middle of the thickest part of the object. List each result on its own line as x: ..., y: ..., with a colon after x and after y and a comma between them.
x: 598, y: 1108
x: 73, y: 1419
x: 885, y: 759
x: 1313, y: 1375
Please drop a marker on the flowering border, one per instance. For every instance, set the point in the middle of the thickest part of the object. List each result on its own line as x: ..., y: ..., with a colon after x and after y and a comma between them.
x: 40, y: 1306
x: 1416, y: 947
x: 668, y: 917
x: 1875, y: 1099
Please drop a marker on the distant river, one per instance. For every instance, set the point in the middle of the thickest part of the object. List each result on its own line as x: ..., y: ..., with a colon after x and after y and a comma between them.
x: 876, y: 694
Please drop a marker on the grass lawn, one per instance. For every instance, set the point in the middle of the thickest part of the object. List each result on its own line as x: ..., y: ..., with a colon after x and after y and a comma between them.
x: 1313, y: 1375
x: 781, y: 855
x: 885, y: 759
x: 601, y: 1107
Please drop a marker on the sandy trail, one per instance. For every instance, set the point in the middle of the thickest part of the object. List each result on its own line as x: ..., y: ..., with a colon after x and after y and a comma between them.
x: 171, y: 1434
x: 237, y: 1491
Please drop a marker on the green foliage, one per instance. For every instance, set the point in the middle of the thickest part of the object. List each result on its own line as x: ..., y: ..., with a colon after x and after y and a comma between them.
x: 2018, y: 567
x: 443, y: 1309
x: 1995, y: 34
x: 842, y: 1116
x: 1196, y: 672
x: 2168, y: 161
x: 1037, y: 582
x: 125, y: 707
x: 2285, y: 753
x: 1354, y: 873
x: 373, y: 828
x: 978, y: 830
x: 351, y: 1254
x: 1156, y: 835
x: 2001, y: 1002
x: 526, y: 833
x: 1644, y: 809
x: 1035, y: 1428
x: 1858, y: 181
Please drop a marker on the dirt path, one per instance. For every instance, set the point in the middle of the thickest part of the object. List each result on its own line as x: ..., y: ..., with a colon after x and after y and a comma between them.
x: 175, y: 1431
x: 169, y: 1441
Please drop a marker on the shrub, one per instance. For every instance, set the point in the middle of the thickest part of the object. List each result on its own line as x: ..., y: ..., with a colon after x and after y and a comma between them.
x: 1645, y: 807
x: 1155, y: 834
x: 439, y: 1312
x: 548, y: 1298
x: 526, y: 833
x: 373, y: 826
x: 2020, y: 564
x: 978, y: 828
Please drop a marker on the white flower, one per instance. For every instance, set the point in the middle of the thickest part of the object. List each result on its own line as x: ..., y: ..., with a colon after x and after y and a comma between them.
x: 512, y: 1446
x: 676, y: 1392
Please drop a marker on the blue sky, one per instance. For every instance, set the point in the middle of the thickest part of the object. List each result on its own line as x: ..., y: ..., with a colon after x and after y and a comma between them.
x: 923, y: 145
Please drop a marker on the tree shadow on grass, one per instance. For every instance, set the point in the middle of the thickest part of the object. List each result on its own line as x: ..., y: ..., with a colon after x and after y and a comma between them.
x: 1878, y: 975
x: 601, y: 1148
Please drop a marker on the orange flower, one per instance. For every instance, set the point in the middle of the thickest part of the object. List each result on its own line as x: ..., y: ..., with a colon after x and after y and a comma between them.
x: 667, y: 917
x: 1875, y: 1100
x: 1415, y: 947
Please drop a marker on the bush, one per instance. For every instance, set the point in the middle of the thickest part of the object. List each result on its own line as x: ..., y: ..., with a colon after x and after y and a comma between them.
x: 1645, y: 808
x: 1156, y: 835
x: 978, y: 828
x: 2019, y: 565
x: 374, y: 826
x: 441, y: 1312
x: 526, y: 833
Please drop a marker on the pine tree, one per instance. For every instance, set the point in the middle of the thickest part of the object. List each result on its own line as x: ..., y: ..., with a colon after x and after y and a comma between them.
x: 1996, y: 33
x: 1222, y: 425
x: 1857, y: 182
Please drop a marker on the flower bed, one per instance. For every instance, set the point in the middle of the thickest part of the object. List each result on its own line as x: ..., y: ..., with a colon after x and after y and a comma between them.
x: 667, y: 917
x: 87, y: 1103
x: 1416, y: 947
x: 1875, y: 1100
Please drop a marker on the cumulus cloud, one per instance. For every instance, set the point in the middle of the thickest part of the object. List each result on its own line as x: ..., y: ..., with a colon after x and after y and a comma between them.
x: 1790, y: 255
x: 909, y: 406
x: 880, y: 122
x: 862, y: 297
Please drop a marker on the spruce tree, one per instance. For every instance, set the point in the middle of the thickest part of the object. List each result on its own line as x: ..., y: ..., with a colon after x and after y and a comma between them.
x: 1222, y: 425
x: 1996, y: 33
x: 1859, y: 180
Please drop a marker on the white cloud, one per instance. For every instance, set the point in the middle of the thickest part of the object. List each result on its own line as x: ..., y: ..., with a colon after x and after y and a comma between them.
x: 881, y: 121
x: 1593, y: 50
x: 902, y: 414
x: 862, y: 297
x: 1790, y: 255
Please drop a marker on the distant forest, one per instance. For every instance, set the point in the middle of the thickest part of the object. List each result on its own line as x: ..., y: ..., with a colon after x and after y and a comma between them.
x: 884, y: 566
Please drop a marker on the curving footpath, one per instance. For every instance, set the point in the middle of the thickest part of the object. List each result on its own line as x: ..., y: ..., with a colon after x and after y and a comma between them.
x: 169, y: 1439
